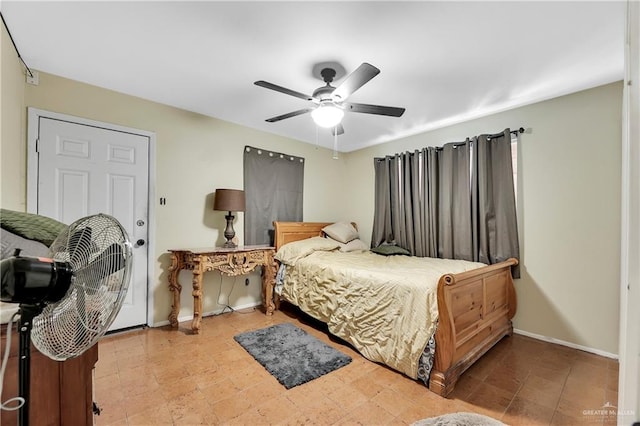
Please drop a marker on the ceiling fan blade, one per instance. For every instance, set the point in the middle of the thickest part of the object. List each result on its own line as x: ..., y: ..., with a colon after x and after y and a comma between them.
x: 374, y: 109
x: 281, y: 89
x: 338, y: 129
x: 288, y: 115
x: 355, y: 80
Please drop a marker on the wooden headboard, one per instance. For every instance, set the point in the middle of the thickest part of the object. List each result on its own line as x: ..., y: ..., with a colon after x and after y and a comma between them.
x: 287, y: 232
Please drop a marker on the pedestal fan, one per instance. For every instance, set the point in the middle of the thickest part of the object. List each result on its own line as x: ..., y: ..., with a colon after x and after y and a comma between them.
x: 68, y: 301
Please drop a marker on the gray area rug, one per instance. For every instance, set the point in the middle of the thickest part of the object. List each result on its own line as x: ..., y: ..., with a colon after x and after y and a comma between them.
x: 290, y: 354
x: 459, y: 419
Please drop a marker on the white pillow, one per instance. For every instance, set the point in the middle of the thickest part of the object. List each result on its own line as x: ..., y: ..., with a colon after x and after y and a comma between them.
x: 341, y: 231
x: 291, y: 252
x: 354, y: 245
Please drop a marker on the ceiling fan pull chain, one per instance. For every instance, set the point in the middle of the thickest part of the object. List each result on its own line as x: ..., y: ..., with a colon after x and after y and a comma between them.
x: 317, y: 141
x: 335, y: 143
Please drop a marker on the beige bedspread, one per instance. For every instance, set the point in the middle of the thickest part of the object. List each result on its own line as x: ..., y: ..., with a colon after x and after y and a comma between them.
x: 386, y: 307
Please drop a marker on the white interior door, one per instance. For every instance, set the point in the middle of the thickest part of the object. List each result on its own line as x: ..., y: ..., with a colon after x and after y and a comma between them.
x: 84, y: 170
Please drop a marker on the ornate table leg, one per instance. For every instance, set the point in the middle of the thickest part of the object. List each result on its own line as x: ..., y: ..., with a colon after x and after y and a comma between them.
x: 268, y: 283
x: 175, y: 287
x: 197, y: 293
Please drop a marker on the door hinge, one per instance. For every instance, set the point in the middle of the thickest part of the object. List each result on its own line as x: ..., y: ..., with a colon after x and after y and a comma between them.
x: 37, y: 145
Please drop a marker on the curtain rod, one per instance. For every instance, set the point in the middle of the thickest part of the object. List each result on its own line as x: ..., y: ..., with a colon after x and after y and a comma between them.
x: 455, y: 144
x: 248, y: 148
x: 513, y: 132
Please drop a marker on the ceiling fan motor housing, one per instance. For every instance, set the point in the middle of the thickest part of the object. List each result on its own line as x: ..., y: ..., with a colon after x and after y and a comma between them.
x: 32, y: 280
x: 324, y: 93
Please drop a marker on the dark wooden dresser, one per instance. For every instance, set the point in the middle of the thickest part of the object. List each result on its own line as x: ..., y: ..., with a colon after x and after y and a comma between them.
x: 61, y: 392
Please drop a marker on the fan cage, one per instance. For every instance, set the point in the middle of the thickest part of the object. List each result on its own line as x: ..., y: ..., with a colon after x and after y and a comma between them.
x: 100, y: 255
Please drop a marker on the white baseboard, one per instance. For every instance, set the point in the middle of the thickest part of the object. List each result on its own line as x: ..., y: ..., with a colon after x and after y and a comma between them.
x: 563, y: 343
x: 207, y: 314
x: 515, y: 330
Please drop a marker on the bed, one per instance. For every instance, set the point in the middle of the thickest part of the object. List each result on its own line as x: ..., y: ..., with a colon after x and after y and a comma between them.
x: 473, y: 311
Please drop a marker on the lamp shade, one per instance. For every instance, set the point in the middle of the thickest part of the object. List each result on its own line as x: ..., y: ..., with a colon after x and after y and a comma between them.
x: 231, y: 200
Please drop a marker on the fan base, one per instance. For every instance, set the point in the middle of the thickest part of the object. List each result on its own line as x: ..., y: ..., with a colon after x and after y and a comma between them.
x: 334, y: 65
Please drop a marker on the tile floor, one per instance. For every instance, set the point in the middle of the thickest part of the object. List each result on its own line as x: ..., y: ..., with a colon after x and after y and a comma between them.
x: 165, y: 376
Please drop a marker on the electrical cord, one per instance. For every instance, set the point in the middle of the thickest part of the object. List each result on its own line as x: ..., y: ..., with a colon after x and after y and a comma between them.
x: 229, y: 297
x: 15, y: 47
x: 17, y: 399
x: 225, y: 306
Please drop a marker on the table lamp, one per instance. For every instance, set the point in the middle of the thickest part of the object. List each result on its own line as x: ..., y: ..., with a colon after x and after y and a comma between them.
x: 230, y: 200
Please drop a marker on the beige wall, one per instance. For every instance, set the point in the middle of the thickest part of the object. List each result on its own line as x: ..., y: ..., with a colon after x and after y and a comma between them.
x: 195, y: 155
x: 568, y: 192
x: 569, y: 210
x: 12, y: 126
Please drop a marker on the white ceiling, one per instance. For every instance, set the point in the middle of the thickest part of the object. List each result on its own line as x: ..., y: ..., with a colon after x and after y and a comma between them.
x: 445, y: 62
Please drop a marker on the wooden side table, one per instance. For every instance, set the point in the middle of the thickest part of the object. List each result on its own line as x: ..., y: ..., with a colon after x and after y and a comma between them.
x: 228, y: 261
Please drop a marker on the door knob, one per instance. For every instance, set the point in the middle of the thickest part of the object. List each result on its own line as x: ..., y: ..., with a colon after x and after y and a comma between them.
x: 140, y: 243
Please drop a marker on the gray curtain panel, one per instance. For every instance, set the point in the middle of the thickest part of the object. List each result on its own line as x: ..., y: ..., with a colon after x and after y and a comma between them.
x: 418, y: 215
x: 382, y: 229
x: 273, y: 185
x: 406, y: 200
x: 455, y: 238
x: 394, y: 200
x: 495, y: 222
x: 455, y: 202
x: 424, y: 201
x: 432, y: 195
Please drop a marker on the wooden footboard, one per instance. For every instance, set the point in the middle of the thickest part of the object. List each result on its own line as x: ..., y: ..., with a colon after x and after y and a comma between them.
x: 475, y: 311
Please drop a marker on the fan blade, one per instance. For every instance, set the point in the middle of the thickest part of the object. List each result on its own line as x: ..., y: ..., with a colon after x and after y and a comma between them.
x: 338, y: 129
x: 355, y: 80
x: 289, y: 115
x: 374, y: 109
x: 80, y: 245
x: 110, y: 261
x: 281, y: 89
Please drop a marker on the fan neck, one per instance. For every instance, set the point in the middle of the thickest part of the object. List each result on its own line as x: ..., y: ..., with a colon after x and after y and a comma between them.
x: 324, y: 93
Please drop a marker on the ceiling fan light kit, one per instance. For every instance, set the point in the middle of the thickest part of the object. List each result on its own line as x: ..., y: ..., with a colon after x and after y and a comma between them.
x: 327, y: 115
x: 330, y: 102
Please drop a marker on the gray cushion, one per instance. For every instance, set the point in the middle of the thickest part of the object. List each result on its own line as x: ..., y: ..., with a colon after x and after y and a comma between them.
x: 390, y: 250
x: 10, y: 241
x: 31, y: 226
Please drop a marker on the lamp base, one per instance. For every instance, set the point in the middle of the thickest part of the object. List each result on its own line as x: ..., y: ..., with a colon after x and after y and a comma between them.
x: 229, y: 233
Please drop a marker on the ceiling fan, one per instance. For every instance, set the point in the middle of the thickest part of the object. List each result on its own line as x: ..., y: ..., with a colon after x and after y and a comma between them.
x: 330, y: 102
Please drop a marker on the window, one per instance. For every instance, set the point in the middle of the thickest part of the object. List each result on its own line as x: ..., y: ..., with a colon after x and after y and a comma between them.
x: 273, y: 185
